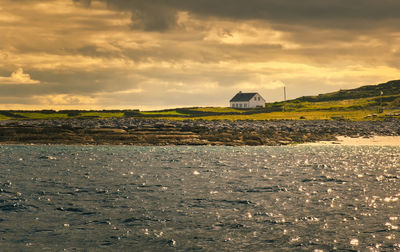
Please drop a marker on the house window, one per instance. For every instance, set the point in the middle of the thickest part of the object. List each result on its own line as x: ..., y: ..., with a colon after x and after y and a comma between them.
x: 240, y: 105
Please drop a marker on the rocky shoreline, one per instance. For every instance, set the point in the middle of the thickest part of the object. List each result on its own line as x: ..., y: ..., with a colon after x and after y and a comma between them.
x: 134, y: 131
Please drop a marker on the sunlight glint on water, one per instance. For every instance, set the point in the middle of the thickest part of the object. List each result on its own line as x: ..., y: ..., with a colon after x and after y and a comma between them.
x: 215, y: 198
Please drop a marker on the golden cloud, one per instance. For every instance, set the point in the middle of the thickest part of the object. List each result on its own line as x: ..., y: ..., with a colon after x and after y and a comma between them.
x: 90, y: 53
x: 18, y: 77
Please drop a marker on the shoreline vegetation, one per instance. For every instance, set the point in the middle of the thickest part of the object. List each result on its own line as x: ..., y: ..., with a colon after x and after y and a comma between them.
x: 364, y: 112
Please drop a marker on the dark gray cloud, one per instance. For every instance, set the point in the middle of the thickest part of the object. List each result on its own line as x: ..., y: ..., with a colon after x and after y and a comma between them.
x: 344, y: 14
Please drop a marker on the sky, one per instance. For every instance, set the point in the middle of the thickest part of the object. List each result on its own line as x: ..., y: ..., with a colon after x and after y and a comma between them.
x: 154, y: 54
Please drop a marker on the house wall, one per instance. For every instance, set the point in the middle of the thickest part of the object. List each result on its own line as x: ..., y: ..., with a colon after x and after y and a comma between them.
x: 240, y: 104
x: 256, y: 101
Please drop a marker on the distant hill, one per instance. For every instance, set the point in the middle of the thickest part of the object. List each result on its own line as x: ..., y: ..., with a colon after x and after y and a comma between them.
x: 389, y: 89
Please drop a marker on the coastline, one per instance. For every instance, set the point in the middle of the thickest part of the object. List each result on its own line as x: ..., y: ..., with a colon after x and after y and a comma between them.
x: 362, y: 141
x: 152, y: 132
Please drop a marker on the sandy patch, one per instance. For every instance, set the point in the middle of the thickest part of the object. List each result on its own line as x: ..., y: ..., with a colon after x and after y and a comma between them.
x: 375, y: 141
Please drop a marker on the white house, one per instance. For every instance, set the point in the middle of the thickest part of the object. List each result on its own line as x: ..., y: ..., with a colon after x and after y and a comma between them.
x: 247, y: 100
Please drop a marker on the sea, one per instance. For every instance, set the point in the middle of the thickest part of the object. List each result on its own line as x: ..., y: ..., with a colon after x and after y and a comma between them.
x: 199, y: 198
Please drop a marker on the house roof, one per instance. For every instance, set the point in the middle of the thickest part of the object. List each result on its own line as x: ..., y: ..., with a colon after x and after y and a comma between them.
x: 242, y: 97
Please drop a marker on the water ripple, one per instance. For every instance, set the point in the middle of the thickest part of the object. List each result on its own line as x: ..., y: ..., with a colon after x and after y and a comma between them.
x: 311, y: 198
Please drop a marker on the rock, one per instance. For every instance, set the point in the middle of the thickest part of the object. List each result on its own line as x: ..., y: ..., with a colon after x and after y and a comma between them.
x: 134, y: 131
x: 107, y: 131
x: 251, y: 142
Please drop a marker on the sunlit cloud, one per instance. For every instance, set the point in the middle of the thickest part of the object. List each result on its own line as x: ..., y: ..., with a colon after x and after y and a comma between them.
x: 18, y: 77
x: 62, y: 100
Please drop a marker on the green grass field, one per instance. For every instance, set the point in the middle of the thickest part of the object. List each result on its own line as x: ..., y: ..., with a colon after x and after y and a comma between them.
x: 165, y: 113
x: 343, y: 110
x: 349, y: 104
x: 3, y: 117
x: 218, y: 110
x: 101, y: 114
x: 38, y: 115
x: 356, y: 115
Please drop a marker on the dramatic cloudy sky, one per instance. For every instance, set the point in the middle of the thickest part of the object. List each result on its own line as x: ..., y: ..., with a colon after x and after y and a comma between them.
x: 152, y: 54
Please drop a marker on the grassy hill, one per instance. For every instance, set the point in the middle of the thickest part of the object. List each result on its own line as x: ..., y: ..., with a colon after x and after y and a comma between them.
x: 391, y: 88
x: 357, y: 104
x: 371, y: 97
